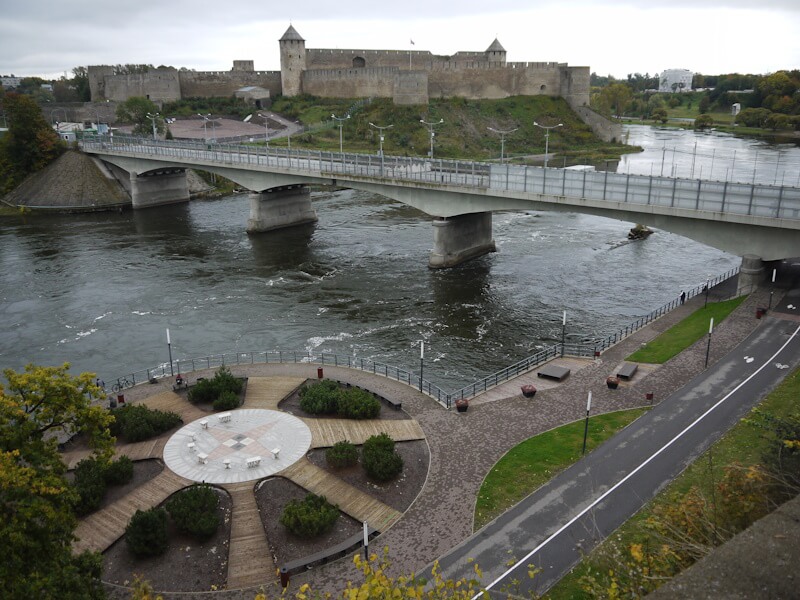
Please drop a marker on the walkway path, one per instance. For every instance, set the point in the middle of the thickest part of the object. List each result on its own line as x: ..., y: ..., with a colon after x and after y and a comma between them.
x: 326, y: 432
x: 352, y: 501
x: 169, y: 401
x: 249, y: 557
x: 104, y: 527
x: 267, y: 392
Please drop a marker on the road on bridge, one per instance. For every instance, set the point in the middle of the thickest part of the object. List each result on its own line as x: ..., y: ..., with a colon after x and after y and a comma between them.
x: 562, y: 521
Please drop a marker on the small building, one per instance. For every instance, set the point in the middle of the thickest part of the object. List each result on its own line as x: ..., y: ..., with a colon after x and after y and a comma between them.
x: 675, y: 80
x: 736, y: 108
x: 255, y: 95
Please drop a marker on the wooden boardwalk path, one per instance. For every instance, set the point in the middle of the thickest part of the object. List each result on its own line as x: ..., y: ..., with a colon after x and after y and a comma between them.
x: 104, y: 527
x: 249, y: 557
x: 352, y: 501
x: 172, y: 402
x: 153, y: 448
x: 267, y: 392
x: 326, y: 432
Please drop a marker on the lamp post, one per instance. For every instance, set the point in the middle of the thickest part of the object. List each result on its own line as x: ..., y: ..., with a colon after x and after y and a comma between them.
x: 206, y: 120
x: 503, y: 134
x: 169, y: 347
x: 153, y: 118
x: 563, y: 332
x: 708, y: 347
x: 547, y: 129
x: 341, y: 121
x: 772, y: 288
x: 421, y: 361
x: 380, y: 129
x: 708, y: 280
x: 266, y: 128
x: 430, y: 127
x: 586, y: 426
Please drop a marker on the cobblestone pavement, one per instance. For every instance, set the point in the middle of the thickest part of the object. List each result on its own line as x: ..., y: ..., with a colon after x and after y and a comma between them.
x: 464, y: 446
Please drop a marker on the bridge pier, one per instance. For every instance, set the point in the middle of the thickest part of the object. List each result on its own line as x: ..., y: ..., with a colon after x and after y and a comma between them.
x: 751, y: 274
x: 461, y: 238
x: 280, y: 207
x: 155, y: 188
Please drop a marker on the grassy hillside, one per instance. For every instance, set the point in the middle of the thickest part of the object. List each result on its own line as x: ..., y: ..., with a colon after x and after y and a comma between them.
x: 464, y: 133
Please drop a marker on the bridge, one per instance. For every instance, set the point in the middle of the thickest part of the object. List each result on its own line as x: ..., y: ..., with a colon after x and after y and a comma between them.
x: 758, y: 222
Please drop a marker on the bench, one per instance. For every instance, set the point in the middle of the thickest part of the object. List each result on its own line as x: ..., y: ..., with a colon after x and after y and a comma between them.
x: 202, y: 458
x: 395, y: 404
x: 553, y: 372
x: 190, y: 446
x: 204, y: 423
x: 275, y: 452
x: 227, y: 463
x: 323, y: 556
x: 224, y: 417
x: 627, y: 370
x: 253, y: 461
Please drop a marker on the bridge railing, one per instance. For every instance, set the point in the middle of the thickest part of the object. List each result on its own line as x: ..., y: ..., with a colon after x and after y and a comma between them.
x: 777, y: 202
x: 584, y: 348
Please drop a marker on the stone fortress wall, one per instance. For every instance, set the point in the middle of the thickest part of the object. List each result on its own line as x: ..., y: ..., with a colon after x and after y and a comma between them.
x: 408, y: 77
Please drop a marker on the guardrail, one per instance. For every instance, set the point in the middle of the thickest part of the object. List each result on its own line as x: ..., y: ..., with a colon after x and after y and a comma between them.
x: 779, y: 202
x: 408, y: 377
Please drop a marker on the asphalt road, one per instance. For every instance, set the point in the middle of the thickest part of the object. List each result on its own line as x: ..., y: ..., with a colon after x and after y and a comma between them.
x: 567, y: 517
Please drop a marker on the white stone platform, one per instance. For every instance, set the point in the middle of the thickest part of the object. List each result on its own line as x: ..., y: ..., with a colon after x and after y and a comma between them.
x: 219, y: 452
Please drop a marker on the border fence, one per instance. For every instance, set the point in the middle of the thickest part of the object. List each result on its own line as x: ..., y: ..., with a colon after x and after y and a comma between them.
x: 446, y: 399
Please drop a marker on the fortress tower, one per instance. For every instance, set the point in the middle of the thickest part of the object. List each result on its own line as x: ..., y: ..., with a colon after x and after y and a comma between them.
x: 293, y: 61
x: 496, y: 52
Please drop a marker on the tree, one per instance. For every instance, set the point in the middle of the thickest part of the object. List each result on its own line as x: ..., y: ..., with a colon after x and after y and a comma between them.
x: 37, y: 516
x: 705, y: 103
x: 30, y: 143
x: 703, y: 121
x: 618, y: 96
x: 135, y: 110
x: 660, y: 114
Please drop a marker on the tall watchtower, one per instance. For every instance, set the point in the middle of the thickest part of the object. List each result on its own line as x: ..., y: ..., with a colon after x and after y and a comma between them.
x: 496, y: 52
x: 293, y: 62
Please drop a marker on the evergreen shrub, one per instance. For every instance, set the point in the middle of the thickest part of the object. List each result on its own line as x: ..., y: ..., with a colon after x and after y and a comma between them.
x: 320, y: 398
x: 309, y: 517
x: 342, y: 454
x: 146, y: 533
x: 355, y: 403
x: 194, y: 511
x: 379, y: 458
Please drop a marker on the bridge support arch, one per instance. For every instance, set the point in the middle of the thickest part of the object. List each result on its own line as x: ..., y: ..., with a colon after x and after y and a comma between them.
x: 460, y: 238
x: 751, y: 274
x: 280, y: 207
x: 158, y: 187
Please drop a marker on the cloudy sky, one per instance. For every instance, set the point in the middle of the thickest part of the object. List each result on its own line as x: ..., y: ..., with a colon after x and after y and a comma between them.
x: 49, y: 37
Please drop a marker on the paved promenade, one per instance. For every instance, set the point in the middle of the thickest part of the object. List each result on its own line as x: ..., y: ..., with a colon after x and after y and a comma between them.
x: 464, y: 446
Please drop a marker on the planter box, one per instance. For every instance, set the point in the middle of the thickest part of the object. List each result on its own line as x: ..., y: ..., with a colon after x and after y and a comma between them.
x: 528, y: 391
x: 462, y: 407
x: 612, y: 384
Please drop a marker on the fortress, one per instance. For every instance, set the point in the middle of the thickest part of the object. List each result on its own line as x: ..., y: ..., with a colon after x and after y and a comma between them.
x: 408, y: 77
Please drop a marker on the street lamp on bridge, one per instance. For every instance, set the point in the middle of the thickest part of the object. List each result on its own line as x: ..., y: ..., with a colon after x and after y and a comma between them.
x: 206, y: 120
x: 341, y: 121
x: 266, y: 127
x: 380, y: 129
x: 547, y: 129
x: 430, y: 127
x: 503, y: 134
x: 153, y: 118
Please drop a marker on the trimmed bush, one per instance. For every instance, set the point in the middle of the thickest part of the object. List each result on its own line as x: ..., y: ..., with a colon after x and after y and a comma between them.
x: 227, y: 400
x: 211, y: 390
x: 342, y: 454
x: 120, y: 471
x: 90, y: 483
x: 194, y: 511
x: 146, y: 533
x: 380, y: 460
x: 136, y: 422
x: 358, y: 404
x: 309, y: 517
x: 320, y: 398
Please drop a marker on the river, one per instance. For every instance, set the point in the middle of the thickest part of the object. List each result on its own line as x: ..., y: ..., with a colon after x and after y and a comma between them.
x: 99, y: 290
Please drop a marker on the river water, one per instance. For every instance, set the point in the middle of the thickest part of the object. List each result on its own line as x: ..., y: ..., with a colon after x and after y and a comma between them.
x: 99, y: 290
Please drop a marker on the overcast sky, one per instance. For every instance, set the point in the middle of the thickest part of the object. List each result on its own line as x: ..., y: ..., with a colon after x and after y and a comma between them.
x: 49, y: 37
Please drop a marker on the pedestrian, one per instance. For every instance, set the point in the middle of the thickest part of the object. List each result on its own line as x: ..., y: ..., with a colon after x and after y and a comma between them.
x: 683, y: 297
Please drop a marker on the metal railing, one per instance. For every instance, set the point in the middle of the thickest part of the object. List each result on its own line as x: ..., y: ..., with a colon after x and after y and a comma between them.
x: 757, y: 200
x: 408, y: 377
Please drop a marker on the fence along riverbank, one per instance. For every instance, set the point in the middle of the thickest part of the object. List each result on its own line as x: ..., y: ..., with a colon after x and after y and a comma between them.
x: 588, y: 348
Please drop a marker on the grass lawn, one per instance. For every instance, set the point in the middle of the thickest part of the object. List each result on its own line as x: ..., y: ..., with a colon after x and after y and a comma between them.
x: 533, y: 462
x: 743, y: 444
x: 682, y: 335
